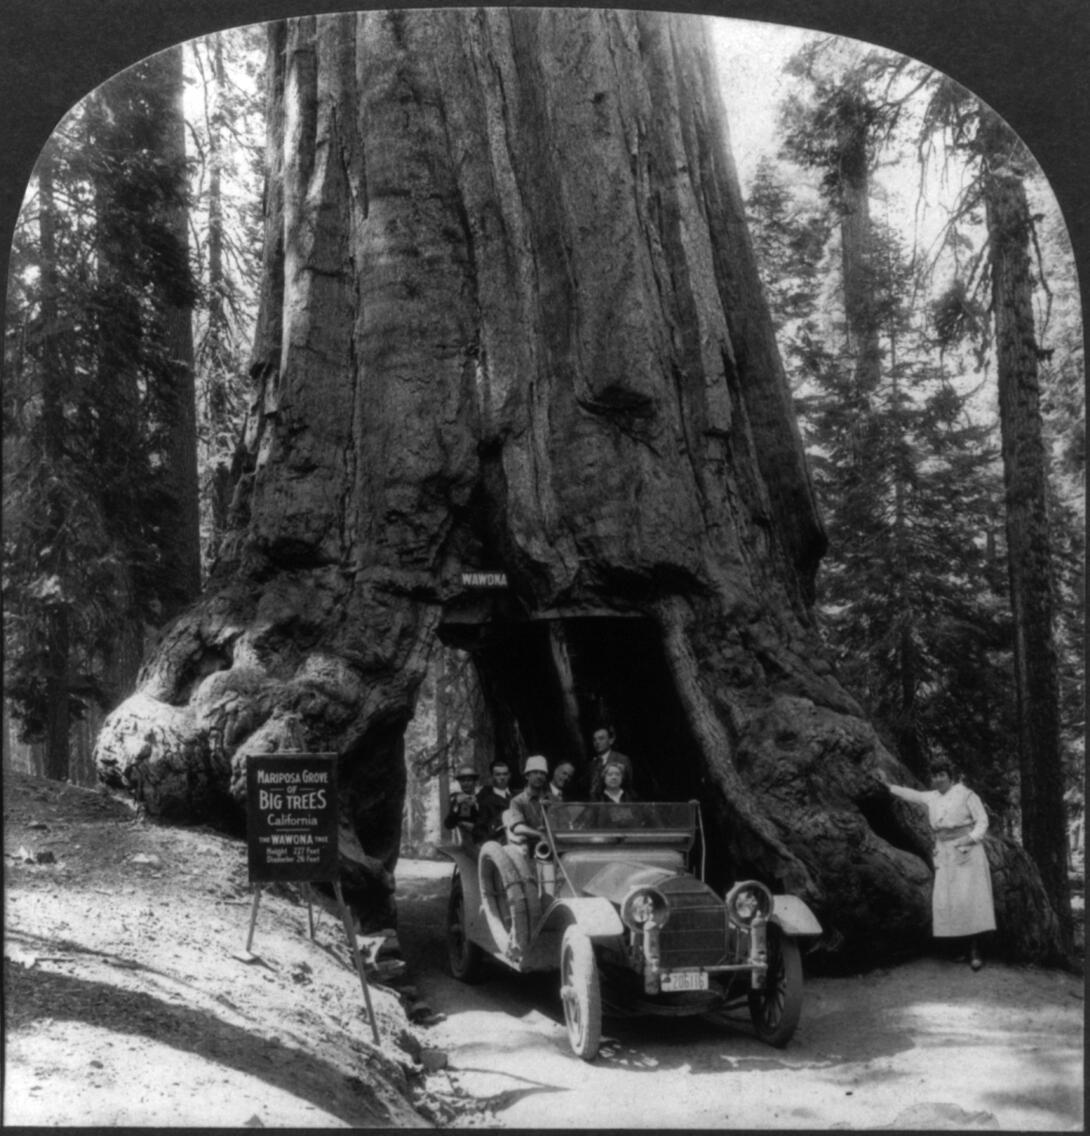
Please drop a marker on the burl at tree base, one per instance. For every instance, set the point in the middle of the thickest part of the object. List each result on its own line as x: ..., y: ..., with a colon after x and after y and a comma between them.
x: 511, y: 322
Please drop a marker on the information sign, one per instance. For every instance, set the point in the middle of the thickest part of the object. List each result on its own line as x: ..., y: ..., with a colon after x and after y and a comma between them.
x: 291, y: 813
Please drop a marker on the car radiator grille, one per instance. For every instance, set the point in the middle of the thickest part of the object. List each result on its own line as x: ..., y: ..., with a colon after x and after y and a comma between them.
x: 696, y: 933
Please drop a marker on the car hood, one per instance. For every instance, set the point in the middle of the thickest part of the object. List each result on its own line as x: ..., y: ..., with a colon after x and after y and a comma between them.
x: 615, y: 880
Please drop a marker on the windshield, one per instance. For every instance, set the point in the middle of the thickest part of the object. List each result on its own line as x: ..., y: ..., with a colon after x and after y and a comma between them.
x: 677, y: 816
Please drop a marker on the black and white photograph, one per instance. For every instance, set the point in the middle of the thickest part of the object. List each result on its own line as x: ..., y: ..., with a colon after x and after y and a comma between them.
x: 544, y: 569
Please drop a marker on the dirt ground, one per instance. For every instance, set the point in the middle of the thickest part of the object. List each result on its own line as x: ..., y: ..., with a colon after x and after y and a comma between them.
x: 130, y: 1000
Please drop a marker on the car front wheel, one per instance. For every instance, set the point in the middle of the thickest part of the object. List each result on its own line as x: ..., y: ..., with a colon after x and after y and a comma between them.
x: 775, y: 1006
x: 580, y: 993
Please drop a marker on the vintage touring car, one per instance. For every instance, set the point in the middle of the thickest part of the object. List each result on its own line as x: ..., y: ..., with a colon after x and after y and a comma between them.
x: 611, y: 899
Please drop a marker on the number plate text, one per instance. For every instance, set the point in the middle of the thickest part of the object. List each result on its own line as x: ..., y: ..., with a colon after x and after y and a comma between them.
x: 684, y: 980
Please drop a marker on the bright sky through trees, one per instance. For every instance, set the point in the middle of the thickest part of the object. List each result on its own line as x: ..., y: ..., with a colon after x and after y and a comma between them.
x: 751, y: 57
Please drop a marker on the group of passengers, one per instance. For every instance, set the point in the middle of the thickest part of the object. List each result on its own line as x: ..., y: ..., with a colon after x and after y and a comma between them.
x: 495, y: 812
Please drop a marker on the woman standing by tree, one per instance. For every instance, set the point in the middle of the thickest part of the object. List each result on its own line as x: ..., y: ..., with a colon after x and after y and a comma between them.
x: 961, y: 900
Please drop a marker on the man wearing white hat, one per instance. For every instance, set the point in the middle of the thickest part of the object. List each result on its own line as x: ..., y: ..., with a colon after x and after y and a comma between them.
x: 525, y: 820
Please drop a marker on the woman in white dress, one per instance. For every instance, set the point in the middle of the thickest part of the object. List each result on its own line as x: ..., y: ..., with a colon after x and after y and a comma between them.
x: 961, y: 900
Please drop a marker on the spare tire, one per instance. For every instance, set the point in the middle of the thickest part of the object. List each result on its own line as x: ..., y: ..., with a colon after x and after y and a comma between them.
x: 528, y: 870
x: 503, y: 897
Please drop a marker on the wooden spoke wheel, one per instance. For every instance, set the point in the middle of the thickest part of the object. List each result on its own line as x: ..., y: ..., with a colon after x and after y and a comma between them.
x: 465, y: 958
x: 775, y: 1006
x: 580, y: 993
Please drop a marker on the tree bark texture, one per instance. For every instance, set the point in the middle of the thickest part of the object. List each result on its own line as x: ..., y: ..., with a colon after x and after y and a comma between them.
x: 857, y: 250
x: 183, y: 540
x: 512, y: 322
x: 1029, y: 556
x: 213, y: 401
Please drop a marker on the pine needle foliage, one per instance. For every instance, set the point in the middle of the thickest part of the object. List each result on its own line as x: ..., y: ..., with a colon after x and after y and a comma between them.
x: 91, y: 400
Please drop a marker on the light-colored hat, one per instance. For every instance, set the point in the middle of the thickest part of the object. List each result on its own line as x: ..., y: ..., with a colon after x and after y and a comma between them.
x: 536, y: 764
x: 465, y: 771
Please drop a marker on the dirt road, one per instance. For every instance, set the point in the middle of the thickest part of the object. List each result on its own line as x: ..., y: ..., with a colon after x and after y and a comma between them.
x: 129, y: 1000
x: 929, y: 1045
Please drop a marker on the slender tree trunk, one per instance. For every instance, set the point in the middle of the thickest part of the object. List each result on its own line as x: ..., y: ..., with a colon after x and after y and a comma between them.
x: 216, y: 281
x: 182, y: 539
x: 565, y: 675
x: 857, y: 259
x: 1028, y: 542
x: 909, y: 743
x: 113, y: 410
x: 58, y: 636
x: 217, y: 489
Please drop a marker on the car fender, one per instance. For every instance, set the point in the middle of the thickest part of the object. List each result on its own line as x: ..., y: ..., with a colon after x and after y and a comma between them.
x: 596, y: 916
x: 793, y: 917
x: 463, y: 861
x: 466, y: 867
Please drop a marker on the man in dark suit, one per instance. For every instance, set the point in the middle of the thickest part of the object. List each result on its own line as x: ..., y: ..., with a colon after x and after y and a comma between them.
x: 557, y: 790
x: 492, y: 801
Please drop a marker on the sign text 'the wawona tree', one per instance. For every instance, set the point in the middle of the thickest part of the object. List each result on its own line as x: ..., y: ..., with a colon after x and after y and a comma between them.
x: 511, y: 323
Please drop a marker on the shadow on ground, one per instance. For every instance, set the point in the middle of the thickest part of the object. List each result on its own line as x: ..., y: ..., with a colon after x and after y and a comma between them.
x: 40, y: 993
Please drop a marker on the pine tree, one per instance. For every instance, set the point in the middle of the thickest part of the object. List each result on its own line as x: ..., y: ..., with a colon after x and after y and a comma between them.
x: 142, y: 300
x: 225, y: 185
x: 55, y: 550
x: 100, y: 401
x: 907, y: 485
x: 789, y: 238
x: 1001, y: 171
x: 1063, y: 407
x: 59, y: 568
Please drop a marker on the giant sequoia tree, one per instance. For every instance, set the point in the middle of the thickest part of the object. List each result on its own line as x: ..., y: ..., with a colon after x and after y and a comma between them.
x: 511, y: 322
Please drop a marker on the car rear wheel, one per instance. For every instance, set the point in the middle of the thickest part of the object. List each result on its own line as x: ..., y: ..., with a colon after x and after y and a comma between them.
x: 503, y: 896
x: 775, y: 1006
x: 580, y: 993
x: 466, y: 959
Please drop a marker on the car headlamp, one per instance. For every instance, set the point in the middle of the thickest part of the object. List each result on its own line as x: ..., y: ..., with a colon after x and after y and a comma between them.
x: 747, y: 902
x: 642, y: 906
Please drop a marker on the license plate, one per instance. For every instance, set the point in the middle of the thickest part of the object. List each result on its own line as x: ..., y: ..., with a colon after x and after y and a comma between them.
x: 684, y: 980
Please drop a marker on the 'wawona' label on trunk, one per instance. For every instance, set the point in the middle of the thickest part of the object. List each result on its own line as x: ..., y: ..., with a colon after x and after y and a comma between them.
x: 484, y: 579
x: 291, y: 817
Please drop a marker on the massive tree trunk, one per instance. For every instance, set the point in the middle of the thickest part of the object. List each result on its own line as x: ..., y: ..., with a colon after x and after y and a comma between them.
x: 511, y: 322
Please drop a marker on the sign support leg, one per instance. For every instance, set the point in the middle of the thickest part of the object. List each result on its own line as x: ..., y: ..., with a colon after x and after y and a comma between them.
x: 353, y: 946
x: 253, y: 916
x: 310, y: 908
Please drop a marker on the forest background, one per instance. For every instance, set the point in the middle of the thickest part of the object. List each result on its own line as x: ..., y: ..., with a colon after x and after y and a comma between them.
x: 931, y: 658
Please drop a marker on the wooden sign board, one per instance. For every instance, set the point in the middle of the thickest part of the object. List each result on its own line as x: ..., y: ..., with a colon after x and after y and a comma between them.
x: 291, y: 816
